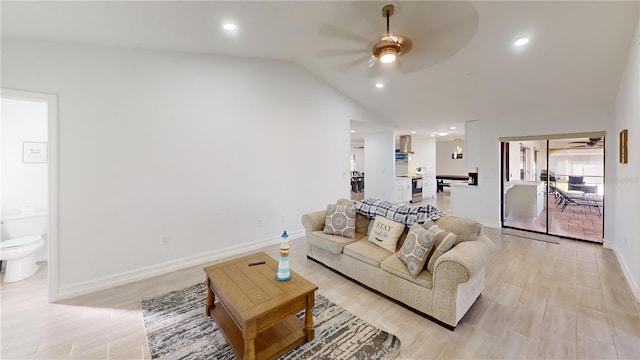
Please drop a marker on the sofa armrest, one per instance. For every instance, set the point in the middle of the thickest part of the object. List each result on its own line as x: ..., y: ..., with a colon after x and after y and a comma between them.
x: 458, y: 279
x: 314, y: 221
x: 463, y: 261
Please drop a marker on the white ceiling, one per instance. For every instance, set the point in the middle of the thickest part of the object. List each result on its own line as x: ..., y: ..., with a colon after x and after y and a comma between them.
x: 463, y: 65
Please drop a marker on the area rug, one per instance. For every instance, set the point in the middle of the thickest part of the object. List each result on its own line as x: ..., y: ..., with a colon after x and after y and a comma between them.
x: 531, y: 235
x: 178, y: 328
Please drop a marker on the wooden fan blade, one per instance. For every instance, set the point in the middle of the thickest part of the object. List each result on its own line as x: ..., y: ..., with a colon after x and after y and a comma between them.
x: 351, y: 64
x: 377, y: 69
x: 335, y: 32
x: 447, y: 28
x: 340, y: 52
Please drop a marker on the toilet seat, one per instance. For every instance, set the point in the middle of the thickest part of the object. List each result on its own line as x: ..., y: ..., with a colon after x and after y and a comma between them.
x: 19, y: 242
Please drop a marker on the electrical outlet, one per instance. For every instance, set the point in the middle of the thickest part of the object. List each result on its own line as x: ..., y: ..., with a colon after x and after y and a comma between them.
x: 259, y: 223
x: 165, y: 240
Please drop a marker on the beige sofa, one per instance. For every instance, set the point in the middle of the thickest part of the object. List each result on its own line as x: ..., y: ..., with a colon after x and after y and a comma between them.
x: 446, y: 295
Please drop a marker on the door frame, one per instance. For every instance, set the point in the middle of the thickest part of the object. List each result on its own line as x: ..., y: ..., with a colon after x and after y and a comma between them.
x: 504, y: 143
x: 52, y: 180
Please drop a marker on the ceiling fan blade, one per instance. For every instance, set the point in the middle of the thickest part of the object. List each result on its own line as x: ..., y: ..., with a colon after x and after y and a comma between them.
x: 369, y: 12
x: 372, y: 60
x: 377, y: 69
x: 332, y: 31
x: 340, y: 52
x: 351, y: 64
x: 450, y: 26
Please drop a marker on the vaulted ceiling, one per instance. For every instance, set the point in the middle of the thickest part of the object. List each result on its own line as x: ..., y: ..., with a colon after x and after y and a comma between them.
x: 463, y: 65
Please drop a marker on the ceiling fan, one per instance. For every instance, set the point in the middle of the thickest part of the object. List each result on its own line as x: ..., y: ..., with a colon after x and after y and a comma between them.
x: 592, y: 142
x: 389, y: 47
x: 438, y: 31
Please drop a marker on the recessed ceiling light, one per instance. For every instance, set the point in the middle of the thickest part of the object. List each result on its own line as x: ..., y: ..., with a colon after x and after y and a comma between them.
x: 379, y: 85
x: 452, y: 128
x: 521, y: 42
x: 443, y: 133
x: 413, y: 132
x: 352, y: 131
x: 230, y: 27
x: 432, y: 135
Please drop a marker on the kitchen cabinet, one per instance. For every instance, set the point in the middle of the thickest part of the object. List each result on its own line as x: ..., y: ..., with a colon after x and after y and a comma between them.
x: 524, y: 200
x: 402, y: 190
x: 464, y: 201
x: 429, y: 186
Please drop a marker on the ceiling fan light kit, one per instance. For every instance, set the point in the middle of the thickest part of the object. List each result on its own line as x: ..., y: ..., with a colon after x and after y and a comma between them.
x: 386, y: 55
x: 390, y: 47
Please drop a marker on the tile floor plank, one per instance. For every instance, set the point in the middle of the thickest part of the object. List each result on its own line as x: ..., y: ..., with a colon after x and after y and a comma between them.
x: 541, y: 300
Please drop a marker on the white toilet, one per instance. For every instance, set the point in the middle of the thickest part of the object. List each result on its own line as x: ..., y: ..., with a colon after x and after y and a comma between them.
x: 20, y: 255
x: 24, y: 237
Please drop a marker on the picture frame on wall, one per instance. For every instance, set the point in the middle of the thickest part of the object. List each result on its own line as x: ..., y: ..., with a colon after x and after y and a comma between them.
x: 623, y: 146
x: 34, y: 152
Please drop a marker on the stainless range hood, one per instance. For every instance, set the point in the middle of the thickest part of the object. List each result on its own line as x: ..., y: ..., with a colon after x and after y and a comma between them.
x: 405, y: 145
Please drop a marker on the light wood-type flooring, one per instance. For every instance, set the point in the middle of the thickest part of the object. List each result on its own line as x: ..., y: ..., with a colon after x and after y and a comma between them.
x: 542, y: 301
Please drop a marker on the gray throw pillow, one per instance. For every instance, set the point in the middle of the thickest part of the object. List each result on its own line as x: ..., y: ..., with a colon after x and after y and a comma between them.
x: 340, y: 220
x: 415, y: 249
x: 443, y: 240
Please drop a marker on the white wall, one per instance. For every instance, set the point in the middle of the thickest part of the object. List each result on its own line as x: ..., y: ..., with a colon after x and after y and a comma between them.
x: 23, y: 184
x: 359, y: 154
x: 514, y: 160
x: 214, y: 153
x: 623, y: 180
x: 532, y: 147
x: 424, y: 155
x: 488, y: 150
x: 445, y: 165
x: 379, y: 153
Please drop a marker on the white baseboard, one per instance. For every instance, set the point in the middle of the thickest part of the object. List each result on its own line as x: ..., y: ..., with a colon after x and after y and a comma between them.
x: 490, y: 223
x: 110, y: 281
x: 635, y: 290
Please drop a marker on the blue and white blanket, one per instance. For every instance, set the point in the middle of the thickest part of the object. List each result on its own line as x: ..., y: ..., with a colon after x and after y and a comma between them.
x: 398, y: 212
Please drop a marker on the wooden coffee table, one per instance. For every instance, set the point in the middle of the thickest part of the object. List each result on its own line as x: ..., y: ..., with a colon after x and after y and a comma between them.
x: 255, y: 312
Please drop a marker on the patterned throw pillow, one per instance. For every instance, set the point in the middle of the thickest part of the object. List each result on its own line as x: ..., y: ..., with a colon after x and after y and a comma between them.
x: 385, y: 233
x: 442, y: 241
x: 416, y: 248
x: 340, y: 220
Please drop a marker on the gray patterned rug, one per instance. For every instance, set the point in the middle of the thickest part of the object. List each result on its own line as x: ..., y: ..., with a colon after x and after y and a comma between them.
x: 177, y: 328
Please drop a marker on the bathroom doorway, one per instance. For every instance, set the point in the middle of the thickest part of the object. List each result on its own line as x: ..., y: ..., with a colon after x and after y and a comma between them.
x: 29, y: 132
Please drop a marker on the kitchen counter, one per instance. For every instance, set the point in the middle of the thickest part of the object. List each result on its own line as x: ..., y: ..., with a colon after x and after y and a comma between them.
x: 463, y: 199
x: 523, y: 199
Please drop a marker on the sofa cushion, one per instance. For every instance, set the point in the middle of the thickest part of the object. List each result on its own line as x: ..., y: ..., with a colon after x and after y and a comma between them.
x: 443, y: 240
x: 394, y: 266
x: 340, y: 220
x: 362, y: 222
x: 465, y: 229
x: 385, y: 233
x: 345, y: 202
x: 367, y: 252
x: 331, y: 243
x: 415, y: 249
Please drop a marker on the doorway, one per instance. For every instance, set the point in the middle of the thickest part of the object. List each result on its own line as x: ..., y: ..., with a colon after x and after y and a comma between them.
x: 47, y: 144
x: 559, y: 189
